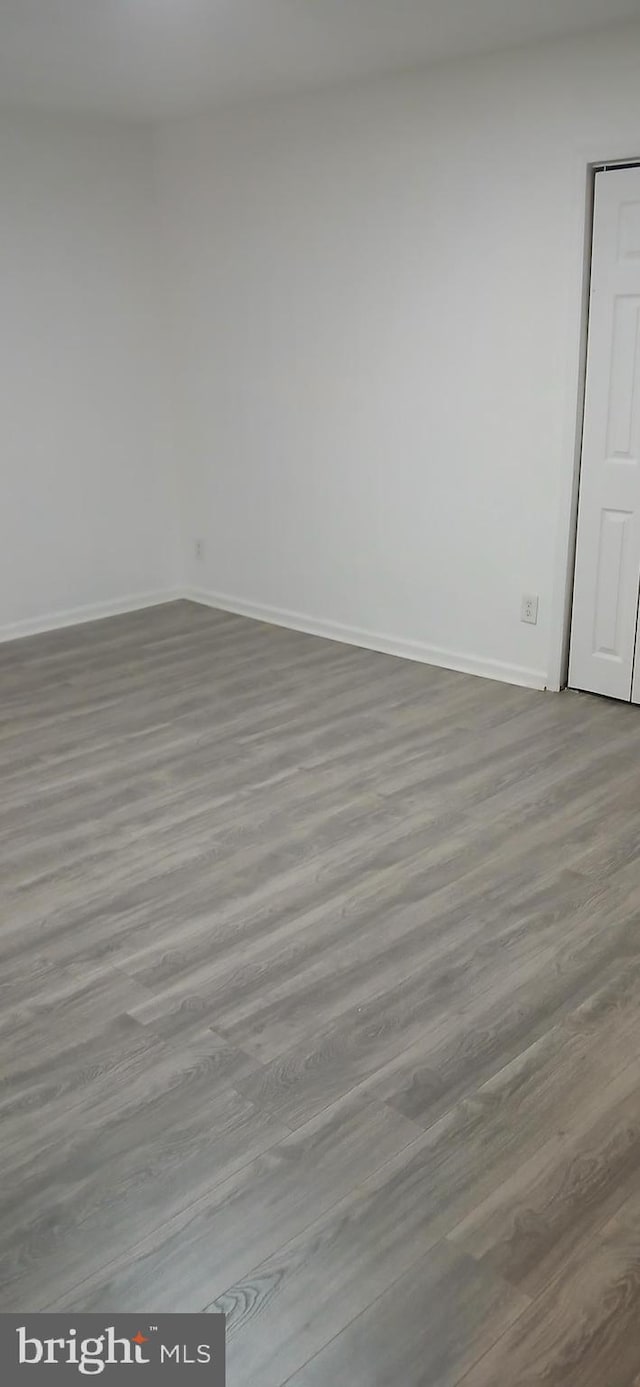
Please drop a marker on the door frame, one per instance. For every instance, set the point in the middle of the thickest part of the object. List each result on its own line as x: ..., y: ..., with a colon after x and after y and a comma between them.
x: 588, y: 162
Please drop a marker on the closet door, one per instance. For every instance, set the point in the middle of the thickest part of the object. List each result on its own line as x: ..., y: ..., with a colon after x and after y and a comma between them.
x: 607, y: 576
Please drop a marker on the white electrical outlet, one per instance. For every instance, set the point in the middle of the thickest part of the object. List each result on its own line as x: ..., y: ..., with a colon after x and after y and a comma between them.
x: 198, y: 549
x: 529, y: 610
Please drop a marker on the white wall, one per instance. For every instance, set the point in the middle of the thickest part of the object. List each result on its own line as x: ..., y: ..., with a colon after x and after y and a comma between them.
x: 87, y: 515
x: 378, y: 320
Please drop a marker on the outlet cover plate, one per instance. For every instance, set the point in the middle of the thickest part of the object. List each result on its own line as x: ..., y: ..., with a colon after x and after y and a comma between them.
x: 529, y: 611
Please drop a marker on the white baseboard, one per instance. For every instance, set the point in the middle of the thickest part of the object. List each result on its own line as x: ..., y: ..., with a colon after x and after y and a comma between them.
x: 281, y: 616
x: 372, y: 640
x: 75, y: 616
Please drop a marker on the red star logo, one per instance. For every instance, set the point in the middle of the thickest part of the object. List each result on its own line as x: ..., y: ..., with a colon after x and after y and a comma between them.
x: 139, y: 1338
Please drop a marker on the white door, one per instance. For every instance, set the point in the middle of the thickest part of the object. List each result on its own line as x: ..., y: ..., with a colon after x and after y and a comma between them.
x: 607, y: 576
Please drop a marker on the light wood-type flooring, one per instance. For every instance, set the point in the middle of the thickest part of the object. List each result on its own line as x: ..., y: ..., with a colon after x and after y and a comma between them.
x: 320, y: 981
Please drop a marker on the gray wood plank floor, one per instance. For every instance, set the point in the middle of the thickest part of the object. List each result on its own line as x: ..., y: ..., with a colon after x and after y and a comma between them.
x: 320, y: 980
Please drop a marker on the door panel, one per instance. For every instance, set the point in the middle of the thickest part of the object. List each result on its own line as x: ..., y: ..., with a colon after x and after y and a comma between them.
x: 614, y: 535
x: 624, y: 396
x: 607, y: 577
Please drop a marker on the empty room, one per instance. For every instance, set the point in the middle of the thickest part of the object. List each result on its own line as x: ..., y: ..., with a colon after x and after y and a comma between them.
x: 319, y: 669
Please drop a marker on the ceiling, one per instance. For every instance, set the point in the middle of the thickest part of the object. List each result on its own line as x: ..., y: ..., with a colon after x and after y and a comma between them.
x: 158, y: 57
